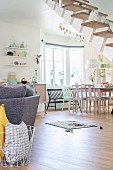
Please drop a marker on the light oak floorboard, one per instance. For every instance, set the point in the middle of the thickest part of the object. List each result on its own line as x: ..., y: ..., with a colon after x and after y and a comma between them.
x: 84, y: 149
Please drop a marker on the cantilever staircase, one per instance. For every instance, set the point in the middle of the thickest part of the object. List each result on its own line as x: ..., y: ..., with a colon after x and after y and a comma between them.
x: 76, y: 13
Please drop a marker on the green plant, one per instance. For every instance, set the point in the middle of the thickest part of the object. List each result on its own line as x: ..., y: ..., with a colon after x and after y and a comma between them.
x: 52, y: 73
x: 61, y: 74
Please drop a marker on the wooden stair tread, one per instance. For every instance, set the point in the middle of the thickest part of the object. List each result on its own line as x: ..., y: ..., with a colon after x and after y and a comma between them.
x: 94, y: 24
x: 104, y: 34
x: 81, y: 15
x: 86, y: 1
x: 109, y: 45
x: 68, y: 2
x: 81, y: 3
x: 103, y: 14
x: 75, y: 7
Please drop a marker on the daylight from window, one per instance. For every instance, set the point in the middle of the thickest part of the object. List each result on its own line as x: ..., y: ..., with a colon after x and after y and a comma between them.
x: 62, y: 66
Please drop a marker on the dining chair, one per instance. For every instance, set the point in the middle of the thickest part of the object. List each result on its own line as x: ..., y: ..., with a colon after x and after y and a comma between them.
x: 67, y: 96
x: 105, y: 98
x: 92, y: 96
x: 79, y: 96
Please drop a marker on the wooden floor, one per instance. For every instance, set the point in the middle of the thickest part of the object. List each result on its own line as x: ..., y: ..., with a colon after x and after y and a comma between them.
x: 84, y: 149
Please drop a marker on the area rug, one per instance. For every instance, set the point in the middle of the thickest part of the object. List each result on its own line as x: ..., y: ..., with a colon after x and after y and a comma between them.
x: 70, y: 124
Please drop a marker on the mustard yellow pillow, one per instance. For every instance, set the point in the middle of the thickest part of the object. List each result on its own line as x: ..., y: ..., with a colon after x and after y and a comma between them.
x: 3, y: 122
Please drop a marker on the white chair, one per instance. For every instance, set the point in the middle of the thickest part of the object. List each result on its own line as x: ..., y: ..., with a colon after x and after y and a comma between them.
x: 67, y: 95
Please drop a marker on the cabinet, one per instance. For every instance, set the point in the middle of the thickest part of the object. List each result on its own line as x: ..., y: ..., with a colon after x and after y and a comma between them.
x: 103, y: 75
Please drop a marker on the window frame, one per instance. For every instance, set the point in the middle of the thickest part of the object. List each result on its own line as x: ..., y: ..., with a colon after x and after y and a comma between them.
x: 66, y: 61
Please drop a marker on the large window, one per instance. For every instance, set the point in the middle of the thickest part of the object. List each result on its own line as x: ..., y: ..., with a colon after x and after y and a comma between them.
x: 54, y: 66
x: 76, y: 65
x: 62, y: 66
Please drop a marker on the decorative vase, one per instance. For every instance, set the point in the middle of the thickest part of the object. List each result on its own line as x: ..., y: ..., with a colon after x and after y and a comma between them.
x: 51, y: 82
x: 35, y: 77
x: 61, y: 82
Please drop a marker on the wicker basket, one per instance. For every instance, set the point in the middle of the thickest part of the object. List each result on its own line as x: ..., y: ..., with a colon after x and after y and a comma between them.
x: 25, y: 160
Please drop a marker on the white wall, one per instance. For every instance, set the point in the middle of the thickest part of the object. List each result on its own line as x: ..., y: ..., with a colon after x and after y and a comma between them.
x: 10, y: 33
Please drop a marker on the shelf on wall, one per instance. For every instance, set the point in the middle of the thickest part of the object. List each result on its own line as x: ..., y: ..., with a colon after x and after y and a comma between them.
x: 10, y: 56
x: 104, y: 34
x: 81, y: 15
x: 101, y: 68
x: 16, y: 48
x: 109, y: 45
x: 14, y: 65
x: 94, y: 24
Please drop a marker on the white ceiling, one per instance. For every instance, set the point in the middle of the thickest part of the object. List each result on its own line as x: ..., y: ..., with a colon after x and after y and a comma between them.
x: 37, y: 14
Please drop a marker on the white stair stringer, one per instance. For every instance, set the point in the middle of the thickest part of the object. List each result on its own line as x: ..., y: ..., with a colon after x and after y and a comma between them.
x: 97, y: 42
x: 108, y: 51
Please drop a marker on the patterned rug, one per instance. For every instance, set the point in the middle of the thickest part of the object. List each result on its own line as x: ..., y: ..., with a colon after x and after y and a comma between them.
x: 70, y: 124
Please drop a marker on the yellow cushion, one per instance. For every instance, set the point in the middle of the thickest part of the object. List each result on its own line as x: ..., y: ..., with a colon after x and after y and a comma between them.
x: 3, y: 122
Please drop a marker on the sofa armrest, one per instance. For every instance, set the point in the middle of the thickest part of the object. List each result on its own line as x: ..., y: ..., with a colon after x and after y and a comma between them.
x: 30, y: 109
x: 14, y: 109
x: 21, y: 109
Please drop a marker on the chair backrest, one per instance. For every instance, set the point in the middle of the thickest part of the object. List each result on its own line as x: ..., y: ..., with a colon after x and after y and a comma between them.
x: 67, y: 91
x: 78, y: 92
x: 54, y: 94
x: 91, y: 91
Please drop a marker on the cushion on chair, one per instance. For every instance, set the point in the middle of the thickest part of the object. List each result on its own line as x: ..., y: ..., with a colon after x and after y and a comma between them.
x: 3, y: 122
x: 7, y: 92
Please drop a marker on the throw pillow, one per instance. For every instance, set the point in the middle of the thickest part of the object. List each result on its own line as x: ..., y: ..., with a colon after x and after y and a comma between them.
x: 7, y: 92
x: 3, y: 122
x: 29, y: 91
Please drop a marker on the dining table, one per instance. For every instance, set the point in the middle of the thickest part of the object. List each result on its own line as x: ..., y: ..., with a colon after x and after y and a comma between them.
x: 107, y: 91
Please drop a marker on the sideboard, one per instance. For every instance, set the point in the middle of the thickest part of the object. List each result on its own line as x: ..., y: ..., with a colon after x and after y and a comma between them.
x: 40, y: 89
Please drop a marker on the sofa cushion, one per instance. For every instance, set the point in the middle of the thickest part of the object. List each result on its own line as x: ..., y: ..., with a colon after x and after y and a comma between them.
x: 7, y: 92
x: 29, y: 91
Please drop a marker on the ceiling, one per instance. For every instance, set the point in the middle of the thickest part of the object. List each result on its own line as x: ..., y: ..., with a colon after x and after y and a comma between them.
x: 37, y: 13
x: 34, y: 13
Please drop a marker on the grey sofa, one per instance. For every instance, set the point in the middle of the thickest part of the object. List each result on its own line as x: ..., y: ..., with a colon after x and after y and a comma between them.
x: 19, y: 108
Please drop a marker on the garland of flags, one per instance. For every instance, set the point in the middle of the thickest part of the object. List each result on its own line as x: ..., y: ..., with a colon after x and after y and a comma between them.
x: 71, y: 34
